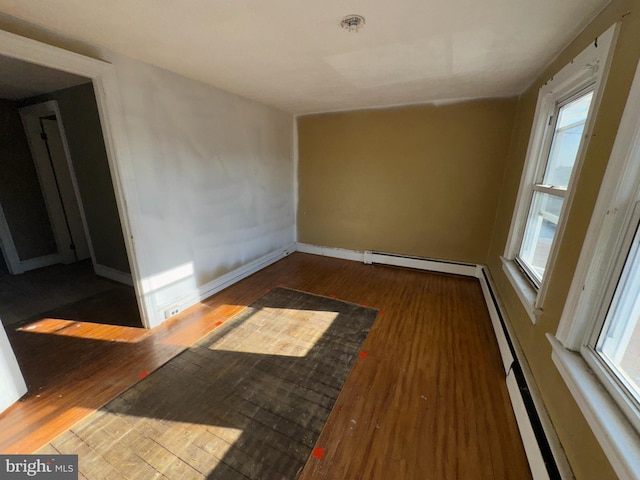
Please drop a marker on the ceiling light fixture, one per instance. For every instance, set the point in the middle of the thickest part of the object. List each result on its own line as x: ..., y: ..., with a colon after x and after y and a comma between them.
x: 353, y: 23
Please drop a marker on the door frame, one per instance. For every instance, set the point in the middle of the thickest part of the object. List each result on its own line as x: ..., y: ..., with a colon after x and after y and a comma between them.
x: 105, y: 84
x: 8, y: 247
x: 30, y: 116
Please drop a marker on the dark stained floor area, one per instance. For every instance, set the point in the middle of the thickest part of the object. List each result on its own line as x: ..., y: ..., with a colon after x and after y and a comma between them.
x: 248, y: 401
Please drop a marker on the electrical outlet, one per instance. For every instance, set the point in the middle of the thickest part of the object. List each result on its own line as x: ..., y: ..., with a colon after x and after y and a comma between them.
x: 170, y: 312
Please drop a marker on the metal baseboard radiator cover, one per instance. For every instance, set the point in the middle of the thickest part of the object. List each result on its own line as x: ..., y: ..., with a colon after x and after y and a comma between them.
x: 421, y: 263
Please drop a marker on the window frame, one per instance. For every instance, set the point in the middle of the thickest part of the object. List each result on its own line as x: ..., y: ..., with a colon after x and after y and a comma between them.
x: 577, y: 91
x: 587, y: 70
x: 624, y: 240
x: 612, y: 413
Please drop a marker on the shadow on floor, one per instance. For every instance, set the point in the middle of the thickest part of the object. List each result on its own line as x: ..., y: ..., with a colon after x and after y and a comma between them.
x: 66, y: 290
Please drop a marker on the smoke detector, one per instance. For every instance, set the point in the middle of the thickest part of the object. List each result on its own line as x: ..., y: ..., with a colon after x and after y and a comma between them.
x: 353, y: 23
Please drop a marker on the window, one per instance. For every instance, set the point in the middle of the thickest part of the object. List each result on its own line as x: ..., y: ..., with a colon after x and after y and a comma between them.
x: 597, y: 345
x: 559, y: 137
x: 611, y: 341
x: 616, y: 337
x: 550, y: 188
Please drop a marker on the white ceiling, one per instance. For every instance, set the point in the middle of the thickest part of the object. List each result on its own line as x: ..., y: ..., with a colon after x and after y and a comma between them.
x: 292, y: 54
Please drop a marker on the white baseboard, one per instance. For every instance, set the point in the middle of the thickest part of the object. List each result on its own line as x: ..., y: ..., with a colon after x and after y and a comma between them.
x: 226, y: 280
x: 113, y: 274
x: 511, y: 349
x: 238, y: 274
x: 342, y: 253
x: 509, y: 355
x: 39, y: 262
x: 429, y: 264
x: 496, y: 322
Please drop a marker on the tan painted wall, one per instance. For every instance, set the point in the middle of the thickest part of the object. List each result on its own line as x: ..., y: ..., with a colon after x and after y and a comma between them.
x: 420, y: 180
x: 583, y: 451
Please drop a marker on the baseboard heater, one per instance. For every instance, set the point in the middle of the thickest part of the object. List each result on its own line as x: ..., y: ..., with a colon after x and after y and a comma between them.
x: 522, y: 399
x: 422, y: 263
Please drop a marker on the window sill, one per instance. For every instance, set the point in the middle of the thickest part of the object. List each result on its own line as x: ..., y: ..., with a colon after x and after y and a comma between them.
x: 527, y: 294
x: 619, y: 441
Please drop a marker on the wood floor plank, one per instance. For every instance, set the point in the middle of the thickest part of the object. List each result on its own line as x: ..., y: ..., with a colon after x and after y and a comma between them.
x: 428, y: 401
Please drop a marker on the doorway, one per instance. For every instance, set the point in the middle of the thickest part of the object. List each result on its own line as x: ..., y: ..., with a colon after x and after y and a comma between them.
x: 41, y: 68
x: 64, y: 261
x: 58, y: 202
x: 56, y: 175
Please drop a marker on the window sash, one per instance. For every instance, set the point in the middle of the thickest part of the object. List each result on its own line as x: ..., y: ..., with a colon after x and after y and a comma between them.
x: 536, y: 274
x: 551, y: 190
x: 535, y: 245
x: 552, y: 129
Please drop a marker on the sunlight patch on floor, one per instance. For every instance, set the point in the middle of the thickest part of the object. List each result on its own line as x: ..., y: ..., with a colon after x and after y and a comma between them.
x: 85, y: 330
x: 298, y: 331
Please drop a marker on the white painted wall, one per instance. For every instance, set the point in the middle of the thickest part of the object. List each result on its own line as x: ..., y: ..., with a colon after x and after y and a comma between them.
x: 213, y: 181
x: 12, y: 385
x: 206, y: 179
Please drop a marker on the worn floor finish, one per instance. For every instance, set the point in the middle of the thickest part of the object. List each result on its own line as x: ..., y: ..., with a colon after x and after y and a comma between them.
x: 427, y: 402
x: 248, y: 401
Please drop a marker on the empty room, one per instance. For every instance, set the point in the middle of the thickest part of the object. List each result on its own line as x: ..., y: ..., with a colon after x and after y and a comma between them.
x: 383, y: 240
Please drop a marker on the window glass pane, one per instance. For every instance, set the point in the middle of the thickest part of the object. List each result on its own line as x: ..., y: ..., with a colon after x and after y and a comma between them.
x: 540, y: 229
x: 566, y: 141
x: 619, y: 340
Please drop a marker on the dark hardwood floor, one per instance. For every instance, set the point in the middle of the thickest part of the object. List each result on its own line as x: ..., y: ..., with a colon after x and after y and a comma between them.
x: 427, y: 400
